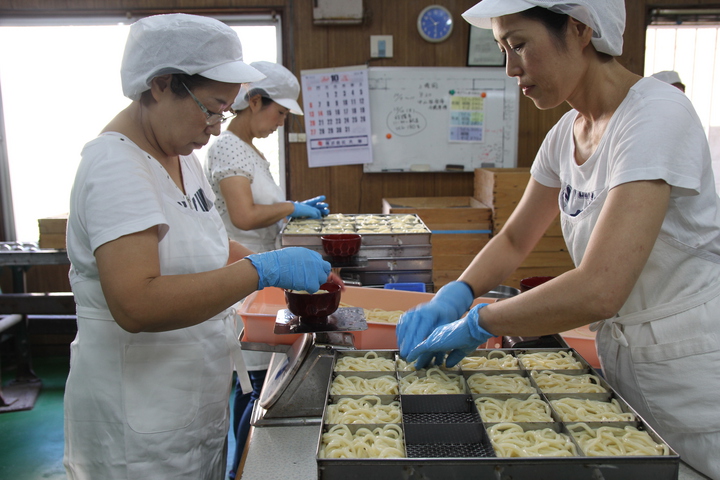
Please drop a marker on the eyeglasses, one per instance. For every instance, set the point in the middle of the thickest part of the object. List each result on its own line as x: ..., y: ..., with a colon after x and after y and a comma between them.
x: 211, y: 118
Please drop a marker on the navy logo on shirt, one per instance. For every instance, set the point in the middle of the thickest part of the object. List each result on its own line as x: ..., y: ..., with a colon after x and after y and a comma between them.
x: 198, y: 202
x: 575, y: 201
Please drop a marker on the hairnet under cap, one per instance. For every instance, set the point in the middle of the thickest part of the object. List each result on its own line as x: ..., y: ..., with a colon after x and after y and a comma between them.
x: 279, y: 84
x: 182, y: 43
x: 606, y: 17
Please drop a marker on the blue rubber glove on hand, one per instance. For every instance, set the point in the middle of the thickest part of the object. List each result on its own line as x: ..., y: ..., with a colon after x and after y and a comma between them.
x: 319, y: 203
x: 457, y: 339
x: 293, y: 268
x: 302, y: 210
x: 448, y: 304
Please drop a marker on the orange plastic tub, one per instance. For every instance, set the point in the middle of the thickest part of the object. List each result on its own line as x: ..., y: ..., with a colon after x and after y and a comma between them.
x: 259, y: 312
x: 583, y: 341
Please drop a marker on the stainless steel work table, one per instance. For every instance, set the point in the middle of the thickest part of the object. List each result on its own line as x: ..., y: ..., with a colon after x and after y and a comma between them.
x: 289, y: 453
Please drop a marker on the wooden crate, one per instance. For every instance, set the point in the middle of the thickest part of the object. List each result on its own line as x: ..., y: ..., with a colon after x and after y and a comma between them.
x: 444, y: 213
x: 52, y: 232
x: 502, y: 189
x: 461, y: 227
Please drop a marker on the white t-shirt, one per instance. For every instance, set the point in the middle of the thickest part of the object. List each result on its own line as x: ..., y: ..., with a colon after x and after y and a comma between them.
x: 119, y: 190
x: 230, y: 156
x: 654, y: 134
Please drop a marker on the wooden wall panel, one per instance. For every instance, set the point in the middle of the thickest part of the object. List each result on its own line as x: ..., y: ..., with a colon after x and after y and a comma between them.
x: 308, y: 46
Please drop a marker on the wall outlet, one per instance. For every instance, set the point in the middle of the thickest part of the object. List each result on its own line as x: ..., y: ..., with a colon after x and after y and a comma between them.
x: 381, y: 46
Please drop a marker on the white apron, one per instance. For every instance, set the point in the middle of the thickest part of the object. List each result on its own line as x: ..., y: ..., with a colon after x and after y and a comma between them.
x: 155, y: 405
x: 662, y: 351
x: 265, y: 192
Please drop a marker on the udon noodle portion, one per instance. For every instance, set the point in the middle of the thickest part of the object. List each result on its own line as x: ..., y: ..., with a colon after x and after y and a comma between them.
x: 532, y: 409
x: 353, y: 385
x: 435, y: 381
x: 587, y: 410
x: 495, y: 360
x: 370, y: 362
x: 381, y: 442
x: 616, y: 441
x: 510, y: 441
x: 553, y: 382
x: 561, y: 360
x: 481, y: 383
x: 366, y: 410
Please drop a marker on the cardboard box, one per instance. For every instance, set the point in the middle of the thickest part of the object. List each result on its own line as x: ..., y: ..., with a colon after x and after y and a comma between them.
x: 53, y: 231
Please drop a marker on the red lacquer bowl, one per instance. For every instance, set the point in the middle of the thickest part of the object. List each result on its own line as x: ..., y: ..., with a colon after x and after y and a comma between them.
x: 316, y: 306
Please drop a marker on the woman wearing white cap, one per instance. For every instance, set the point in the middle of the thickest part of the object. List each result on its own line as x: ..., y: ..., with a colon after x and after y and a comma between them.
x: 629, y: 171
x: 251, y: 204
x: 153, y: 272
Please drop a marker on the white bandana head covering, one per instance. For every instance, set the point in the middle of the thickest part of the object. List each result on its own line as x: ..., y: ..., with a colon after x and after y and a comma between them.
x: 605, y: 17
x: 182, y: 43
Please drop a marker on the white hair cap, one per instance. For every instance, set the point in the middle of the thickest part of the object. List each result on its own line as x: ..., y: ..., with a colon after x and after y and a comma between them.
x: 182, y: 43
x: 606, y: 18
x: 668, y: 76
x: 279, y: 85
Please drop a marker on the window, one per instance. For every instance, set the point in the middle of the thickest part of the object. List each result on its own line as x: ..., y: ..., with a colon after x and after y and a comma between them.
x: 691, y: 48
x: 60, y: 85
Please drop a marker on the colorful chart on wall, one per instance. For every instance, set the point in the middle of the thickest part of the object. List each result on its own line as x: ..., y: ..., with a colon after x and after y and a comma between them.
x: 442, y: 118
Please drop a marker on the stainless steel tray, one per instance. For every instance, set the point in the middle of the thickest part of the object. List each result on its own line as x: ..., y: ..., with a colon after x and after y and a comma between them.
x: 388, y: 239
x: 445, y: 438
x: 390, y: 264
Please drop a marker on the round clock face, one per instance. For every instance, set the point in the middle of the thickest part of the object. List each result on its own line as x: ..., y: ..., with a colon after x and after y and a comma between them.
x: 435, y: 23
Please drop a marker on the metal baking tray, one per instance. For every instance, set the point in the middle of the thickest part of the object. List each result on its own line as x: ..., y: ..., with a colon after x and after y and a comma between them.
x: 392, y: 264
x: 367, y: 278
x: 387, y: 239
x: 445, y: 438
x: 385, y: 251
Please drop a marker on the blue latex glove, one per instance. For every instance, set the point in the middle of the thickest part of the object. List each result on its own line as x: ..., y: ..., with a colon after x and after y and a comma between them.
x: 293, y: 268
x: 302, y: 210
x: 448, y: 304
x: 319, y: 203
x: 457, y: 339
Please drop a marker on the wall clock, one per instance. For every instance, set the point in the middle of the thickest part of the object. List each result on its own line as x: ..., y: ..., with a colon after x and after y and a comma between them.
x: 435, y: 23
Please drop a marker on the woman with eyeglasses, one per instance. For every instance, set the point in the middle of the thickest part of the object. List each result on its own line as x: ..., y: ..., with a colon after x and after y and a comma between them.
x: 251, y: 204
x: 153, y: 272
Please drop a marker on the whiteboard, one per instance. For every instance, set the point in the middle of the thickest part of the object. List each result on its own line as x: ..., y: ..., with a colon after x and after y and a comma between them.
x: 414, y: 122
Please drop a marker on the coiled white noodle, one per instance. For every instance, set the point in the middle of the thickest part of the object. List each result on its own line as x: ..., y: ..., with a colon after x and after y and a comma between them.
x: 383, y: 385
x: 368, y: 410
x: 370, y: 362
x: 553, y: 382
x: 586, y: 410
x: 534, y: 409
x: 562, y: 360
x: 381, y: 442
x: 616, y: 441
x: 509, y: 440
x: 495, y: 360
x: 435, y: 381
x: 505, y: 383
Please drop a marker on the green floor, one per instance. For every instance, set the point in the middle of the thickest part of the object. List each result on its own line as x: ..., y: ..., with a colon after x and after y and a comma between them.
x: 31, y: 441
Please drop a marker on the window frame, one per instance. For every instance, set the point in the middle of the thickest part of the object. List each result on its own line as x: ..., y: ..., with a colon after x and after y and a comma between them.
x: 232, y: 17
